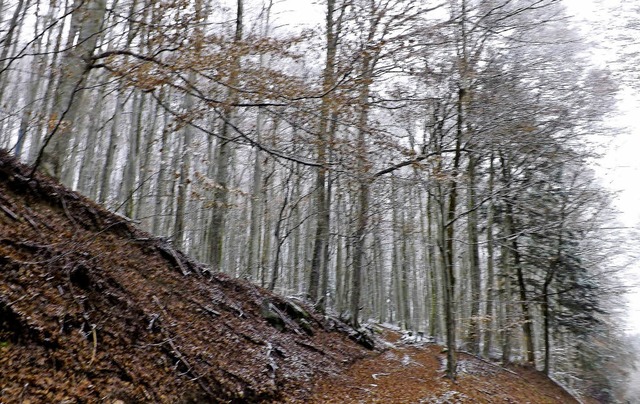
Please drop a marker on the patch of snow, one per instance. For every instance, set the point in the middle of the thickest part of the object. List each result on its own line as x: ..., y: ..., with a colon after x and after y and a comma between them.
x: 474, y: 368
x: 449, y: 397
x: 390, y: 326
x: 416, y: 338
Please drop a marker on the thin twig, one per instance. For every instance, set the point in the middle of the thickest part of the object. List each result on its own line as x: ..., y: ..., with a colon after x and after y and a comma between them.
x: 68, y: 214
x: 95, y: 344
x: 9, y: 212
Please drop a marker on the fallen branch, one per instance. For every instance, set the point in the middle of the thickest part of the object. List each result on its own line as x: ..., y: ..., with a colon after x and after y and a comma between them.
x: 490, y: 363
x: 22, y: 392
x: 169, y: 252
x: 67, y: 213
x: 10, y: 213
x: 33, y: 223
x: 190, y: 371
x: 311, y: 347
x: 175, y: 352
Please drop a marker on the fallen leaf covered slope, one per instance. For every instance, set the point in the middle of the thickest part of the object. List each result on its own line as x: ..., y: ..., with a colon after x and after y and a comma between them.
x: 412, y: 371
x: 92, y: 308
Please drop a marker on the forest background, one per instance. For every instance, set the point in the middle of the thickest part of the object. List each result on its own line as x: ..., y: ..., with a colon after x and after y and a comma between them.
x: 423, y: 163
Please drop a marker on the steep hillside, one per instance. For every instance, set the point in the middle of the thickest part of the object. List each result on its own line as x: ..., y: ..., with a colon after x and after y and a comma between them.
x: 93, y: 309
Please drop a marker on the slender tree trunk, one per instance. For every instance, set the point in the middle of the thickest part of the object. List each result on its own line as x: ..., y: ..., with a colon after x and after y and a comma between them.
x: 34, y: 86
x: 111, y: 151
x: 490, y: 281
x: 397, y: 256
x: 147, y: 171
x: 132, y: 170
x: 87, y: 19
x: 161, y: 186
x: 278, y: 239
x: 449, y: 269
x: 546, y: 316
x: 266, y: 242
x: 359, y: 239
x: 473, y: 336
x: 256, y: 210
x: 183, y: 189
x: 48, y: 103
x: 14, y: 27
x: 434, y: 328
x: 404, y: 281
x: 319, y: 264
x: 527, y: 326
x: 341, y: 273
x: 505, y: 301
x: 296, y: 239
x: 221, y: 191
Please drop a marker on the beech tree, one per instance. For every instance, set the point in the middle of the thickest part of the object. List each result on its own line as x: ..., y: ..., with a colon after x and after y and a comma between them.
x: 85, y: 30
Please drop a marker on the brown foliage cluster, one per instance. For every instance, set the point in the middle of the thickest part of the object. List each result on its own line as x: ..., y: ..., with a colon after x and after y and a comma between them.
x: 93, y: 309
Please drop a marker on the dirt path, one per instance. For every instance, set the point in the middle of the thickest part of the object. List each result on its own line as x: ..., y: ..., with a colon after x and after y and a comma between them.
x: 414, y: 373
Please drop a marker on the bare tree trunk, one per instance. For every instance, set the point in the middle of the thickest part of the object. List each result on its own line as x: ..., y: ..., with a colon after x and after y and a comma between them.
x: 87, y: 20
x: 132, y: 169
x: 35, y: 84
x: 473, y: 336
x: 278, y: 239
x: 147, y: 169
x: 257, y: 202
x: 490, y: 282
x: 296, y: 239
x: 341, y: 273
x: 183, y: 189
x: 359, y: 239
x: 221, y: 191
x: 47, y: 104
x: 505, y: 301
x: 161, y: 186
x: 449, y: 268
x: 14, y: 27
x: 266, y: 242
x: 434, y: 328
x: 527, y: 326
x: 546, y: 316
x: 397, y: 256
x: 110, y: 157
x: 319, y: 263
x: 88, y: 168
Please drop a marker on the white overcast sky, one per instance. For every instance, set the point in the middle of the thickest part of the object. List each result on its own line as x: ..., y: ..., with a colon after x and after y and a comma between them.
x: 620, y: 168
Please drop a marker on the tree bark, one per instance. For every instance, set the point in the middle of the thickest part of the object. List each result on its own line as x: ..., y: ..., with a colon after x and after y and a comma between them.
x: 86, y: 22
x: 473, y: 336
x: 221, y: 191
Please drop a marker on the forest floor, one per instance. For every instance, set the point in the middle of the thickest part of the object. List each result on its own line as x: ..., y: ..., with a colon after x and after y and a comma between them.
x: 93, y: 309
x: 413, y: 371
